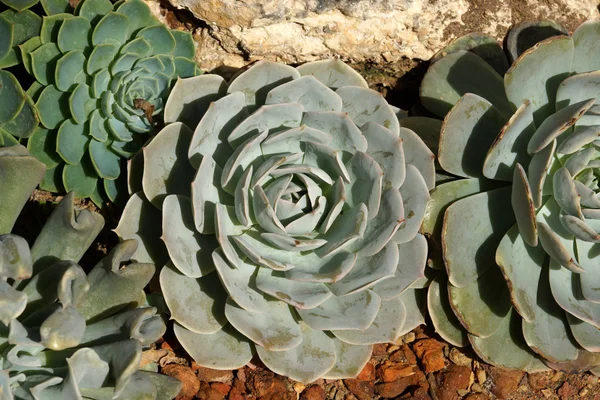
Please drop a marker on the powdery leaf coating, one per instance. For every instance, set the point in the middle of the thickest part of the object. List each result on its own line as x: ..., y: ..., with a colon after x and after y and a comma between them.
x: 301, y: 179
x: 102, y: 75
x: 67, y: 333
x: 530, y: 212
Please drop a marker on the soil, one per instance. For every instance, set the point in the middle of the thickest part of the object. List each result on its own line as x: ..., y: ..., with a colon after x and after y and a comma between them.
x: 420, y: 365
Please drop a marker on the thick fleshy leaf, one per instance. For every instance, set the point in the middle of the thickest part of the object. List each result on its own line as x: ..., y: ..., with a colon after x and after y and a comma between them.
x: 537, y: 172
x: 366, y: 105
x: 473, y: 227
x: 72, y: 141
x: 521, y: 266
x: 587, y: 335
x: 306, y: 362
x: 240, y: 282
x: 354, y: 311
x: 226, y: 349
x: 585, y: 52
x: 548, y: 333
x: 190, y: 99
x: 447, y: 80
x: 113, y: 27
x: 482, y: 304
x: 196, y: 304
x: 74, y: 34
x: 142, y: 221
x: 415, y: 197
x: 52, y: 107
x: 525, y: 35
x: 507, y: 347
x: 267, y: 118
x: 385, y: 328
x: 274, y: 328
x: 345, y: 135
x: 308, y: 92
x: 350, y: 360
x: 166, y: 157
x: 333, y: 73
x: 259, y: 79
x: 346, y: 229
x: 106, y: 162
x: 365, y: 183
x: 510, y: 146
x: 556, y: 124
x: 523, y: 207
x: 411, y: 267
x: 482, y: 45
x: 189, y: 251
x: 302, y: 295
x: 210, y: 136
x: 470, y: 126
x: 440, y: 311
x: 417, y: 154
x: 554, y: 238
x: 540, y: 89
x: 383, y: 228
x: 67, y: 69
x: 159, y: 38
x: 386, y: 149
x: 562, y: 282
x: 368, y: 271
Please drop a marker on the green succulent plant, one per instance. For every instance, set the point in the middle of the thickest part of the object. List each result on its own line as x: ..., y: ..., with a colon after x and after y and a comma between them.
x: 102, y: 74
x: 290, y: 215
x: 518, y: 221
x: 65, y: 334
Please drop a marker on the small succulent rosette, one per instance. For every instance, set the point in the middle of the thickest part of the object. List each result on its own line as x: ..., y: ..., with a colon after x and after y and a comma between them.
x: 65, y: 334
x: 291, y: 201
x: 102, y: 74
x: 519, y: 220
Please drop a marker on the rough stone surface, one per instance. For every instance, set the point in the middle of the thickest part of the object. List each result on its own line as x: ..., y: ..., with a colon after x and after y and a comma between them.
x: 506, y: 381
x: 314, y: 392
x: 187, y: 377
x: 235, y: 32
x: 453, y: 379
x: 430, y: 352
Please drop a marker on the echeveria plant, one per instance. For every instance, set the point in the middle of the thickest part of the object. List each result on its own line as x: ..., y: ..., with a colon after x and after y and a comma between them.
x: 521, y: 220
x: 101, y: 77
x: 65, y: 334
x: 291, y: 201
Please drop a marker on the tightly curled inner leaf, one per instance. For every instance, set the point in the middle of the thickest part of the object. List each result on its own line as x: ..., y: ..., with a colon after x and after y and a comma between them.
x: 291, y: 201
x: 101, y: 76
x: 534, y: 131
x: 65, y: 334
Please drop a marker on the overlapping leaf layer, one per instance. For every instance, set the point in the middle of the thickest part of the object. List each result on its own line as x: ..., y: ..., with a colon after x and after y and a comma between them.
x: 102, y: 73
x: 518, y: 221
x: 289, y: 202
x: 65, y: 334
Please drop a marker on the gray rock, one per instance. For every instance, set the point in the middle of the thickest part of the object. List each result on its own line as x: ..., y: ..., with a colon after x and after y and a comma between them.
x: 237, y: 32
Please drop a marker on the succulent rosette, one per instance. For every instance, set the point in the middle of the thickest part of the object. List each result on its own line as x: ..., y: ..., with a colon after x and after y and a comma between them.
x: 518, y: 221
x: 291, y: 201
x: 65, y: 334
x: 102, y: 74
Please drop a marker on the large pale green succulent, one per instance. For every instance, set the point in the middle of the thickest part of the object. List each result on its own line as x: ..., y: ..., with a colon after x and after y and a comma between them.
x: 65, y: 334
x: 519, y: 220
x: 101, y: 77
x: 291, y: 201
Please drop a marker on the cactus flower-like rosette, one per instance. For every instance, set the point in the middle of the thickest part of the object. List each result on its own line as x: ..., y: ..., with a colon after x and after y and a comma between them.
x: 519, y: 224
x: 291, y: 201
x: 65, y: 334
x: 102, y: 74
